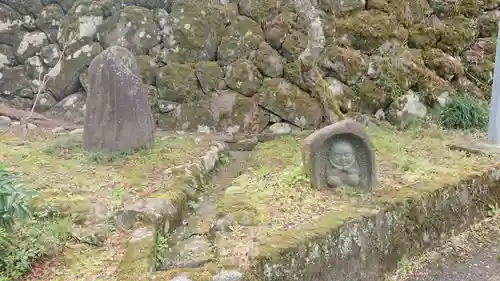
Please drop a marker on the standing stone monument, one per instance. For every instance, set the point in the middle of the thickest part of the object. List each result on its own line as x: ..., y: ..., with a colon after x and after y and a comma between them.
x: 340, y: 154
x: 118, y: 116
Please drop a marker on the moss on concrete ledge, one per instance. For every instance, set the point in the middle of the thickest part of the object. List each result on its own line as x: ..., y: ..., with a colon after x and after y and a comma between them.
x: 364, y: 244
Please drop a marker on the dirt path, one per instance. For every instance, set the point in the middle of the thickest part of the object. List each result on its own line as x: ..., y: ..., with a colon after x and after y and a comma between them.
x: 481, y: 266
x: 472, y: 256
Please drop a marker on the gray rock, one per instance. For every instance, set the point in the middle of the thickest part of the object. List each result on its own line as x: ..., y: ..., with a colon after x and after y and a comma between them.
x: 45, y: 102
x: 406, y: 109
x: 50, y: 54
x: 290, y: 103
x: 49, y: 20
x: 342, y: 5
x: 191, y: 33
x: 84, y: 80
x: 25, y: 7
x: 239, y: 39
x: 280, y: 128
x: 65, y: 76
x: 5, y: 122
x: 12, y: 81
x: 190, y: 253
x: 243, y: 77
x: 225, y: 223
x: 34, y: 68
x: 31, y: 43
x: 133, y: 28
x: 12, y: 24
x: 148, y: 210
x: 70, y: 109
x: 228, y: 276
x: 269, y: 61
x: 181, y: 278
x: 118, y: 116
x: 81, y: 23
x: 7, y: 56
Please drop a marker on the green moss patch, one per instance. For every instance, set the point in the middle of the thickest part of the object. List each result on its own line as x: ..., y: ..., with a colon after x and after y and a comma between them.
x: 88, y: 188
x: 275, y: 208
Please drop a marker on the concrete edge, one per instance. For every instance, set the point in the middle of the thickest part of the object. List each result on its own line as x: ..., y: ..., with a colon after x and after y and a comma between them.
x: 368, y: 248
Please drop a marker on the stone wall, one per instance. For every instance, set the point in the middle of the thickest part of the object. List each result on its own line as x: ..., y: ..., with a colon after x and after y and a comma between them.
x: 233, y: 67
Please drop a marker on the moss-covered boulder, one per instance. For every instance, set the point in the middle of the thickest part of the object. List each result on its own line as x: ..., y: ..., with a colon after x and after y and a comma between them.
x: 488, y: 24
x: 34, y: 68
x: 294, y: 43
x: 260, y: 10
x: 269, y: 61
x: 133, y: 28
x: 12, y: 26
x: 367, y: 30
x: 210, y: 75
x: 345, y: 64
x: 49, y: 19
x: 239, y: 39
x: 178, y: 83
x: 431, y: 86
x: 65, y: 78
x: 222, y: 111
x: 426, y: 34
x: 408, y: 12
x: 452, y: 8
x: 347, y: 98
x: 81, y: 23
x: 148, y: 69
x: 25, y: 7
x: 278, y: 27
x: 195, y: 31
x: 443, y: 64
x: 13, y: 81
x: 341, y: 6
x: 290, y: 103
x: 7, y: 56
x: 406, y: 109
x: 479, y: 61
x: 372, y: 97
x: 243, y: 77
x: 292, y: 73
x: 31, y: 43
x: 460, y: 34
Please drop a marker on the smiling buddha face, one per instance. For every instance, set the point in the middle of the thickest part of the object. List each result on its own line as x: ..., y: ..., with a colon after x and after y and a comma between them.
x: 342, y: 155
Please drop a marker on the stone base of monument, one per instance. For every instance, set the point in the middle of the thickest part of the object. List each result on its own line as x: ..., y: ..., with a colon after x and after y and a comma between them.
x: 477, y: 148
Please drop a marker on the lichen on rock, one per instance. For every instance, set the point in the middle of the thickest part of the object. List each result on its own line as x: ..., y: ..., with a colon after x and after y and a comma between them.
x: 178, y: 83
x: 243, y: 77
x: 132, y: 27
x: 290, y: 103
x: 367, y: 30
x: 238, y: 40
x: 194, y: 31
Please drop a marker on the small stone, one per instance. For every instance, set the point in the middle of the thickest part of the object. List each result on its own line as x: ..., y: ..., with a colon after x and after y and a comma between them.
x: 32, y: 126
x: 5, y: 122
x: 58, y: 130
x: 224, y: 224
x: 76, y: 131
x: 228, y: 276
x: 280, y: 128
x: 181, y: 278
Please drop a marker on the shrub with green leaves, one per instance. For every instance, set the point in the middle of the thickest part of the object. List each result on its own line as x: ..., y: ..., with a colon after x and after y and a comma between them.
x: 464, y: 113
x: 13, y: 199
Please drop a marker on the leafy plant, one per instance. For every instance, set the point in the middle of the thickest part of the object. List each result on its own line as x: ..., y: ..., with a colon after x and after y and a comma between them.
x: 465, y: 113
x: 13, y: 200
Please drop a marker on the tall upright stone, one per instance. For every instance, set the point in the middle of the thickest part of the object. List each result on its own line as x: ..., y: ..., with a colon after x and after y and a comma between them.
x: 118, y: 116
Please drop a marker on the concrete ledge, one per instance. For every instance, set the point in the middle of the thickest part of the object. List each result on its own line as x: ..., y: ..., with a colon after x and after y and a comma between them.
x: 367, y: 248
